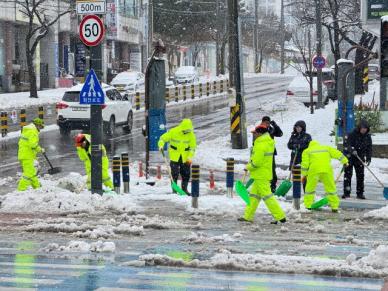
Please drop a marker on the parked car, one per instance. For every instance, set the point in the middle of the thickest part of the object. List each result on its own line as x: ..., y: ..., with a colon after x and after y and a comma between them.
x: 186, y: 75
x: 299, y: 90
x: 117, y: 111
x: 128, y: 82
x: 374, y: 72
x: 328, y: 81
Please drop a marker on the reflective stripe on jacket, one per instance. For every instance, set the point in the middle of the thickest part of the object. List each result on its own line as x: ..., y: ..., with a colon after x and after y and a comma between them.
x: 29, y: 143
x: 180, y: 144
x: 317, y: 159
x: 260, y: 165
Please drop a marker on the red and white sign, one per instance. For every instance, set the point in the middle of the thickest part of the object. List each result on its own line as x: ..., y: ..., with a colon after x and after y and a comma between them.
x: 91, y: 30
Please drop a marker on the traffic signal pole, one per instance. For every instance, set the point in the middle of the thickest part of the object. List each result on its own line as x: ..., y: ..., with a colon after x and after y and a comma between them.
x: 384, y: 64
x: 238, y: 118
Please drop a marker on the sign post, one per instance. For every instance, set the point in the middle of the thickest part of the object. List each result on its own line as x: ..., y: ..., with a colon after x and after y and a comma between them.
x: 91, y: 32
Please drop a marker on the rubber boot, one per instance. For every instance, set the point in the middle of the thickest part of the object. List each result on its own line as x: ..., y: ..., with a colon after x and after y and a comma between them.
x: 184, y: 187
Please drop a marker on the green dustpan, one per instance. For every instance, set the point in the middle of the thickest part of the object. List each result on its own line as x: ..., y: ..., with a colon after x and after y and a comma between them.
x: 320, y: 203
x: 242, y: 192
x: 283, y: 188
x: 177, y: 189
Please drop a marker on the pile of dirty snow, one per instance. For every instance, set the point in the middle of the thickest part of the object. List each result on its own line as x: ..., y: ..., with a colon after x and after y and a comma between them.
x: 374, y: 265
x: 53, y: 198
x: 381, y: 213
x: 82, y: 246
x: 201, y: 238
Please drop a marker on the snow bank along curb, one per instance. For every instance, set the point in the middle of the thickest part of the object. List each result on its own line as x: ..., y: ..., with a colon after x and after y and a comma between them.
x: 374, y: 265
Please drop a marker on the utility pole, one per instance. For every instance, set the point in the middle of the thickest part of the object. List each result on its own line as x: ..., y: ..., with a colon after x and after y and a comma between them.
x: 311, y: 80
x: 319, y: 50
x: 282, y: 37
x: 238, y: 118
x: 218, y: 38
x: 150, y: 27
x: 255, y: 36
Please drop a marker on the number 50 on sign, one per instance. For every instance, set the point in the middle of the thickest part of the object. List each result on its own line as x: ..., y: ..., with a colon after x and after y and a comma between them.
x: 91, y: 30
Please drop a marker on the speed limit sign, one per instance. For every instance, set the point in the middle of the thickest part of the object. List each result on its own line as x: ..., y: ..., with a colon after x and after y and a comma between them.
x: 91, y: 30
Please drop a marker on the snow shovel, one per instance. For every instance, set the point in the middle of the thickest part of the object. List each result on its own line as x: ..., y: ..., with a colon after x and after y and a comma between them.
x: 174, y: 185
x: 324, y: 201
x: 385, y: 193
x: 52, y: 170
x: 242, y: 191
x: 286, y: 185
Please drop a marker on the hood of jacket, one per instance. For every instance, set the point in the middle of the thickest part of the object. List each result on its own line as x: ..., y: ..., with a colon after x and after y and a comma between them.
x: 186, y: 125
x: 265, y: 138
x: 363, y: 124
x: 300, y: 123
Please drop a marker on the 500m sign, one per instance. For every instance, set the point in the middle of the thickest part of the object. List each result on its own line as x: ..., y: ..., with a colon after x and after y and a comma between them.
x: 91, y: 7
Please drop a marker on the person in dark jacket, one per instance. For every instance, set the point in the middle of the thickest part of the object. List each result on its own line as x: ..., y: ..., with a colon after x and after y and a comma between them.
x: 274, y: 131
x: 299, y: 141
x: 359, y: 143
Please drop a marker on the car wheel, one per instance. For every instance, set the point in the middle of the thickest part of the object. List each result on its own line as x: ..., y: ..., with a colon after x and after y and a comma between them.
x: 128, y: 127
x: 64, y: 130
x: 111, y: 127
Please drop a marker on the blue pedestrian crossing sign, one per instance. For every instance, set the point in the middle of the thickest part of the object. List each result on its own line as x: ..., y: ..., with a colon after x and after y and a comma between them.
x: 91, y: 92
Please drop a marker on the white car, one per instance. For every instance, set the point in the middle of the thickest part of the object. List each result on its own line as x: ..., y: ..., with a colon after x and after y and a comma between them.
x: 117, y: 111
x: 128, y: 82
x: 186, y: 75
x: 299, y: 90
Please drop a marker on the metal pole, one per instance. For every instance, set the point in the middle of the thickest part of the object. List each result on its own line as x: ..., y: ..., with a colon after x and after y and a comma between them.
x: 310, y: 69
x: 150, y: 27
x: 282, y: 38
x: 319, y: 51
x: 238, y: 122
x: 255, y: 43
x: 217, y: 39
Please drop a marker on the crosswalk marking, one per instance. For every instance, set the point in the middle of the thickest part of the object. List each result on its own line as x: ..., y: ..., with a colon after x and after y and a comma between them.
x: 54, y: 266
x: 24, y: 280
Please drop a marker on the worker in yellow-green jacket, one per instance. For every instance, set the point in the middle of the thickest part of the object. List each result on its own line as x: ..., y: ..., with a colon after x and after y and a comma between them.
x: 83, y: 144
x: 316, y: 167
x: 28, y: 149
x: 260, y: 168
x: 181, y: 150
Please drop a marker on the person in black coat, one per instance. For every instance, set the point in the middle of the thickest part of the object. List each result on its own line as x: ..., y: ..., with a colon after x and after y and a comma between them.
x: 274, y: 131
x: 299, y: 141
x: 359, y: 143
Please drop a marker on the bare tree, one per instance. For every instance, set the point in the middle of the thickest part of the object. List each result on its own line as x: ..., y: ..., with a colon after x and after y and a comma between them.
x: 40, y: 17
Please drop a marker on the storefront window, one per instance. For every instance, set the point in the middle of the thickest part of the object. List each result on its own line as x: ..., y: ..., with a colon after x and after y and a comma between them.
x: 128, y: 8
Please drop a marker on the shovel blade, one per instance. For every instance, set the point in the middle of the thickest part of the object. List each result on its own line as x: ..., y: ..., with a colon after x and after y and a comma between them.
x: 242, y: 192
x: 177, y: 189
x: 386, y: 193
x: 54, y: 170
x: 320, y: 203
x: 283, y: 188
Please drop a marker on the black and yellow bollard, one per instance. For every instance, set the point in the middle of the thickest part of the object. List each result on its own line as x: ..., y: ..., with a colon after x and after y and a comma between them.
x: 214, y: 87
x: 4, y: 123
x: 23, y: 117
x: 176, y: 94
x: 167, y: 95
x: 227, y: 84
x: 194, y: 185
x: 229, y: 176
x: 222, y: 86
x: 137, y: 100
x: 41, y: 112
x: 184, y: 92
x: 200, y: 90
x: 125, y: 171
x: 192, y: 91
x: 365, y: 78
x: 296, y: 186
x: 207, y: 88
x: 116, y: 174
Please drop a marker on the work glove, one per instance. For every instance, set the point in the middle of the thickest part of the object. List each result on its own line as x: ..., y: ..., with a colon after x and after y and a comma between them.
x: 304, y: 178
x: 42, y: 150
x: 368, y: 161
x: 354, y: 153
x: 189, y: 162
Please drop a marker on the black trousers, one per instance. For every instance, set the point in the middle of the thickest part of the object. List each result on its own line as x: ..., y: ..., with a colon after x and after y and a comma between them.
x: 274, y: 176
x: 184, y: 170
x: 359, y: 168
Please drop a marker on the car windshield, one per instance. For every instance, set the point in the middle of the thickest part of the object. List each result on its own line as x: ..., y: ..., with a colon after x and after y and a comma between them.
x: 125, y: 78
x: 71, y: 97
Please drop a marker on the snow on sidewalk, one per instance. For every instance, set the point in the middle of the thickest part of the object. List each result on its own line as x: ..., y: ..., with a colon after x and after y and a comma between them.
x: 374, y: 265
x: 22, y: 99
